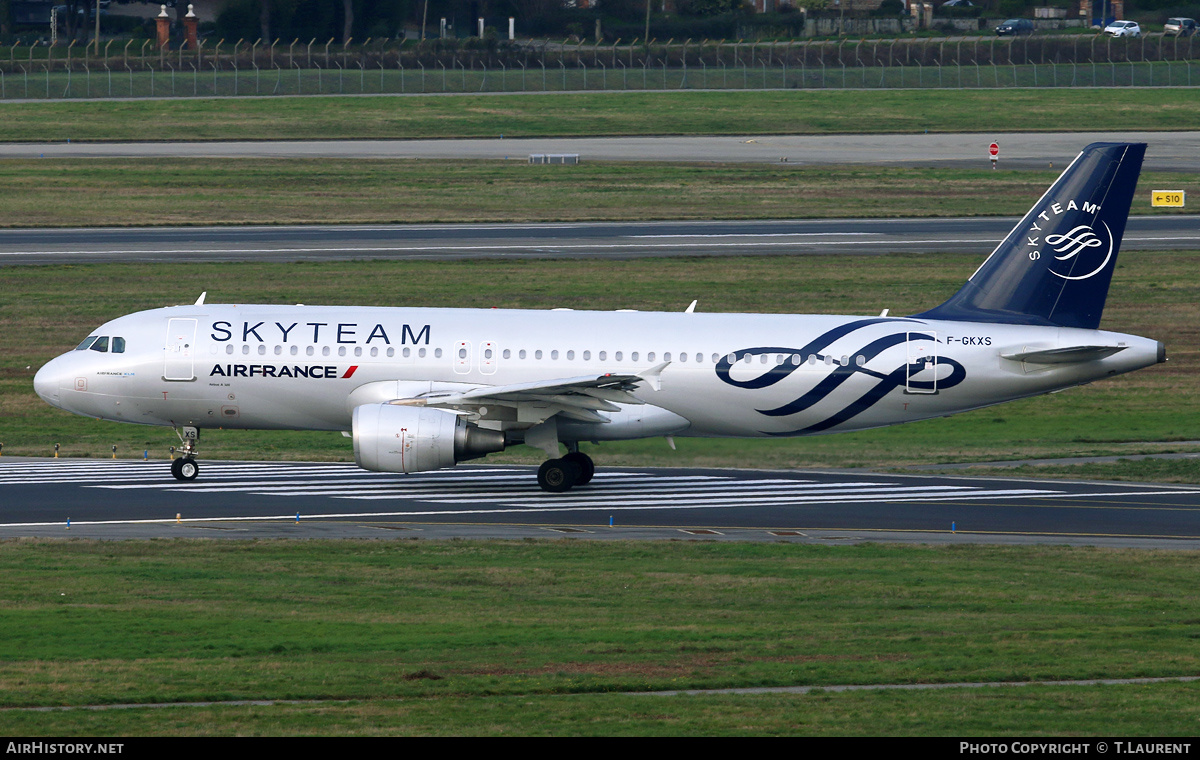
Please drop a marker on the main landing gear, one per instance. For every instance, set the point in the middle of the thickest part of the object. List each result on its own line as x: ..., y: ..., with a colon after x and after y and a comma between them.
x: 559, y: 475
x: 185, y: 468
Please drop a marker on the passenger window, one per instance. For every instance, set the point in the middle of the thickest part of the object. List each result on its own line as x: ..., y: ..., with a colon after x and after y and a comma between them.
x: 682, y: 357
x: 521, y: 354
x: 324, y: 350
x: 87, y: 342
x: 650, y: 356
x: 341, y: 350
x: 308, y: 351
x: 421, y: 353
x: 571, y: 356
x: 358, y: 350
x: 603, y: 355
x: 437, y: 353
x: 634, y: 356
x: 507, y: 354
x: 391, y: 352
x: 262, y: 350
x: 554, y: 354
x: 407, y: 352
x: 118, y: 345
x: 229, y: 348
x: 278, y: 350
x: 374, y: 351
x: 617, y: 356
x: 245, y: 348
x: 537, y: 354
x: 101, y: 345
x: 295, y: 349
x: 587, y: 355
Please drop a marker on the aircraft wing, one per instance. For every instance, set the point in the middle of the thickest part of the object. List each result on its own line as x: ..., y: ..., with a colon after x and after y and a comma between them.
x: 580, y: 398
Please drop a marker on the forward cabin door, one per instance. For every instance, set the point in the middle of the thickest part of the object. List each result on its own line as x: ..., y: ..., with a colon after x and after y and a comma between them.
x: 180, y: 350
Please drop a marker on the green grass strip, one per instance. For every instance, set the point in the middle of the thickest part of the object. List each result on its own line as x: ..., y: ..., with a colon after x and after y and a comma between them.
x: 609, y: 113
x: 495, y: 629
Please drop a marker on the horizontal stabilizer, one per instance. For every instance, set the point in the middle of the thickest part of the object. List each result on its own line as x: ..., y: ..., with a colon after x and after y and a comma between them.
x: 1069, y: 355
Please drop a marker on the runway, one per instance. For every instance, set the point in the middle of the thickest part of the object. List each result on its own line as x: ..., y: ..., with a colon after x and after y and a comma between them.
x: 128, y: 499
x: 614, y: 240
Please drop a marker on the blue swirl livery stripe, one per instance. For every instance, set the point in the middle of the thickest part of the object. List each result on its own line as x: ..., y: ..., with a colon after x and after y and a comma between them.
x: 896, y: 379
x: 780, y: 371
x: 886, y: 382
x: 842, y: 374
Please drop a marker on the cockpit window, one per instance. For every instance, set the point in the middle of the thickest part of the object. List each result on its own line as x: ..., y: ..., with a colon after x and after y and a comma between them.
x: 88, y: 341
x: 101, y: 344
x: 118, y: 345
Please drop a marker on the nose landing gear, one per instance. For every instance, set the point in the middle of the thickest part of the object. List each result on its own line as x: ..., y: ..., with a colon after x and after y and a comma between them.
x: 185, y: 468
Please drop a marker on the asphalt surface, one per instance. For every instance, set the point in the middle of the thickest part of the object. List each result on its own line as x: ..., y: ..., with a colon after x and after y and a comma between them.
x: 138, y: 499
x: 975, y: 236
x: 1167, y: 151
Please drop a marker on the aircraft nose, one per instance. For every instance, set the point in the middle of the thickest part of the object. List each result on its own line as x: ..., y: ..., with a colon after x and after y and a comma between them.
x: 48, y: 381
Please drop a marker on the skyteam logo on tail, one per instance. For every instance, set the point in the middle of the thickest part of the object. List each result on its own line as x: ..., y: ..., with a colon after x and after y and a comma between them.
x: 1082, y: 248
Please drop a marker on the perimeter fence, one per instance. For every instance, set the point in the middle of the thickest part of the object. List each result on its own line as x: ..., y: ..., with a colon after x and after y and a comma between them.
x: 296, y: 68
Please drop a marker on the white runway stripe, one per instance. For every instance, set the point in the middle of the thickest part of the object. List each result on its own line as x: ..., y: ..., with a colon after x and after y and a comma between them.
x: 731, y: 498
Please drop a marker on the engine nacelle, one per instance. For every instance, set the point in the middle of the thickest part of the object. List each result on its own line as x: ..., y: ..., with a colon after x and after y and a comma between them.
x: 389, y: 438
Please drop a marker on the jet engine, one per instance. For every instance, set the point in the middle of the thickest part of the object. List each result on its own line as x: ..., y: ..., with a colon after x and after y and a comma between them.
x: 390, y: 438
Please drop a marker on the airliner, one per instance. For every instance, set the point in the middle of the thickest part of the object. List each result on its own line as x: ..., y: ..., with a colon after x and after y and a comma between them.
x: 419, y: 389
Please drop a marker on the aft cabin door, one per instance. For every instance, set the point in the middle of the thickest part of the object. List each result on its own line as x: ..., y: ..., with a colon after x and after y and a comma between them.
x: 180, y: 350
x: 922, y: 371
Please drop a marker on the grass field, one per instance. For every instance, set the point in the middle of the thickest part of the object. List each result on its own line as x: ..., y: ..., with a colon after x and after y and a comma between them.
x: 541, y: 637
x: 618, y: 113
x: 117, y: 192
x: 49, y: 309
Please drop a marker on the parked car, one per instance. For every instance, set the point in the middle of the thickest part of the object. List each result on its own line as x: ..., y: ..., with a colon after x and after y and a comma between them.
x: 1015, y: 26
x: 1180, y: 27
x: 958, y: 4
x: 1123, y: 29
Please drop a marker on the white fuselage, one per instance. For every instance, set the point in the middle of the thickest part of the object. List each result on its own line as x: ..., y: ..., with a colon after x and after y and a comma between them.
x: 745, y: 375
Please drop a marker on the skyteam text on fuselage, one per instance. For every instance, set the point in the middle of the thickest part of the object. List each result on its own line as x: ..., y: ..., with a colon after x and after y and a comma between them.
x: 420, y: 389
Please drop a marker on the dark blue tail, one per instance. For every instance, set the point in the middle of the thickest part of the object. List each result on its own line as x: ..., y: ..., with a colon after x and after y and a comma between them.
x: 1055, y: 266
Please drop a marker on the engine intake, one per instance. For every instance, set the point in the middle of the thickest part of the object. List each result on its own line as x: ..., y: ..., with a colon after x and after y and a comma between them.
x: 390, y: 438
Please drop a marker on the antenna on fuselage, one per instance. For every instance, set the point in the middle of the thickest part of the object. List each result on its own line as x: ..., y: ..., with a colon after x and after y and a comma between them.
x: 200, y: 300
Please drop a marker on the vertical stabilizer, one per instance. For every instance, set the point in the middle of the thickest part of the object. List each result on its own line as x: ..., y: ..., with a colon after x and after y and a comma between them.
x: 1055, y: 266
